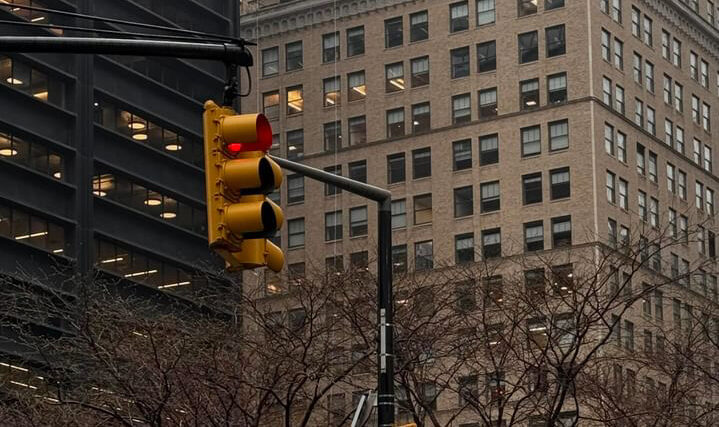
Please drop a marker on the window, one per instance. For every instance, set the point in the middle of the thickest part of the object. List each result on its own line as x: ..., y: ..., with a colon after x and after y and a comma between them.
x: 329, y: 188
x: 641, y: 159
x: 557, y: 88
x: 678, y: 97
x: 682, y: 184
x: 393, y: 32
x: 491, y: 243
x: 618, y: 54
x: 561, y: 231
x: 666, y: 39
x: 488, y: 149
x: 333, y: 135
x: 270, y: 61
x: 488, y: 103
x: 331, y: 47
x: 464, y: 248
x: 463, y: 202
x: 611, y: 187
x: 668, y: 132
x: 296, y: 232
x: 706, y: 117
x: 295, y: 100
x: 458, y: 17
x: 333, y: 226
x: 623, y: 197
x: 33, y: 155
x: 421, y: 163
x: 356, y: 86
x: 399, y: 213
x: 553, y: 4
x: 528, y: 47
x: 293, y: 56
x: 271, y: 105
x: 395, y: 123
x: 558, y: 135
x: 671, y: 180
x: 612, y: 232
x: 637, y: 68
x: 531, y: 141
x: 636, y: 17
x: 295, y: 189
x: 695, y: 109
x: 607, y: 91
x: 394, y: 77
x: 628, y: 335
x: 462, y: 154
x: 667, y: 90
x: 638, y: 112
x: 487, y: 56
x: 420, y: 71
x: 653, y: 212
x: 707, y: 158
x: 533, y: 236
x: 418, y: 26
x: 616, y: 10
x: 647, y: 31
x: 489, y: 192
x: 621, y: 147
x: 24, y: 227
x: 461, y: 108
x: 679, y: 139
x: 532, y: 188
x: 331, y: 93
x: 395, y: 168
x: 358, y: 221
x: 709, y: 201
x: 295, y: 144
x: 358, y: 170
x: 485, y: 12
x: 420, y: 117
x: 651, y: 121
x: 619, y: 99
x: 676, y: 53
x: 334, y: 264
x: 526, y: 7
x: 459, y: 62
x: 704, y: 74
x: 529, y: 94
x: 693, y: 66
x: 559, y: 183
x: 423, y: 256
x: 556, y: 44
x: 357, y: 130
x: 355, y: 41
x: 399, y: 259
x: 699, y: 195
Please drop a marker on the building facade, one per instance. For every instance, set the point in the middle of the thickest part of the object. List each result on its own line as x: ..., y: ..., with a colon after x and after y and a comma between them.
x: 102, y: 156
x: 502, y: 128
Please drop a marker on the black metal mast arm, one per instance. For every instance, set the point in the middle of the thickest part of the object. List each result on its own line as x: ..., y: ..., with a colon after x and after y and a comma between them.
x: 228, y: 53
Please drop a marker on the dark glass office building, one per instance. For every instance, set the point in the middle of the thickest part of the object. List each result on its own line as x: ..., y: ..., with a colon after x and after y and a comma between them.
x: 101, y: 156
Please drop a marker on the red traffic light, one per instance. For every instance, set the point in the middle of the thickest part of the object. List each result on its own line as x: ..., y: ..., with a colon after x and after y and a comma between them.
x: 246, y: 132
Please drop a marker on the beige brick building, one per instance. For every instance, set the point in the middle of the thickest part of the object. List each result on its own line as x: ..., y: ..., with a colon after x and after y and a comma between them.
x: 501, y: 127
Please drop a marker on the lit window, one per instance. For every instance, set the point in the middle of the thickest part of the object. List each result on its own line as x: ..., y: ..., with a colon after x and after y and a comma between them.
x: 331, y: 91
x: 394, y: 77
x: 295, y: 100
x: 356, y: 86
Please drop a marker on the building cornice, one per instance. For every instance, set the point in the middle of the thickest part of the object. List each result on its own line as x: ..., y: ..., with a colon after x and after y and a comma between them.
x: 688, y: 22
x: 301, y: 14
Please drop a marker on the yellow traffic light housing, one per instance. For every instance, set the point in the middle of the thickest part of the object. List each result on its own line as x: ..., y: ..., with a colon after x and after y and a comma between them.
x: 238, y: 176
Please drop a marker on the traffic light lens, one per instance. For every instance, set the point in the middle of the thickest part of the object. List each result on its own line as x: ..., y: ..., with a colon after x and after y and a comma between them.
x: 234, y: 147
x: 264, y: 133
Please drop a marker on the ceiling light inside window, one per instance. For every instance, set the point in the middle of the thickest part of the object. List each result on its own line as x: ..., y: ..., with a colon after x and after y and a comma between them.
x: 153, y: 201
x: 14, y: 81
x: 168, y: 215
x: 173, y: 147
x: 8, y: 152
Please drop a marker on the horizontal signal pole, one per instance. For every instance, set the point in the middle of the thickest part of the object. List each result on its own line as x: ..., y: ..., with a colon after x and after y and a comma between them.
x: 228, y: 53
x: 385, y: 345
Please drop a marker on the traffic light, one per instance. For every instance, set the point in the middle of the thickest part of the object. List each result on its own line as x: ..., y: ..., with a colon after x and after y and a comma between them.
x: 238, y: 176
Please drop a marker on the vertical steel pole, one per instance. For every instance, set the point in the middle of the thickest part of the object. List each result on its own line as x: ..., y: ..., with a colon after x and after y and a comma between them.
x: 385, y: 353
